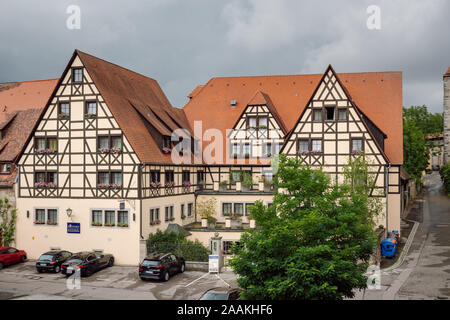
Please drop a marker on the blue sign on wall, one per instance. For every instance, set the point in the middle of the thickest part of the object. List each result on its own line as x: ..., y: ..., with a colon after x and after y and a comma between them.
x: 73, y: 227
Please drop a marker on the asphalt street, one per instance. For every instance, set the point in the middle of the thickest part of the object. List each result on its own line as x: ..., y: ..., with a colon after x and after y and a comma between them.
x: 22, y: 281
x: 425, y: 272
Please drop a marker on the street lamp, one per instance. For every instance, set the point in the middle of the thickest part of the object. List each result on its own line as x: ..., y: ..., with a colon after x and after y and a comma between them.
x: 69, y: 212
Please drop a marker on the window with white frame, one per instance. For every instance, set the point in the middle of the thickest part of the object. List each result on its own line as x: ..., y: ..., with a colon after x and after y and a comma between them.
x: 97, y: 219
x: 110, y: 218
x: 39, y: 216
x: 238, y: 209
x: 226, y: 209
x: 122, y: 218
x: 52, y: 216
x: 168, y: 213
x: 154, y: 216
x: 316, y: 145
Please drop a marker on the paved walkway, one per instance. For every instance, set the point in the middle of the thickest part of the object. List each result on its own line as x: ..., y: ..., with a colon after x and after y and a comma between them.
x: 425, y: 272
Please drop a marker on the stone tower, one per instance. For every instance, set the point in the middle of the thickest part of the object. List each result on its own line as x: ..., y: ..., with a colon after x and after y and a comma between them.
x: 447, y: 116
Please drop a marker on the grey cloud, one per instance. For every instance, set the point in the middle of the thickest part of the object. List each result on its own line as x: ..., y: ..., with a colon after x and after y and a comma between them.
x: 183, y: 43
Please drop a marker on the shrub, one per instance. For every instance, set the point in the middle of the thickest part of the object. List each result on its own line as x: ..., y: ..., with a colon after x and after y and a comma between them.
x: 445, y: 176
x: 177, y: 244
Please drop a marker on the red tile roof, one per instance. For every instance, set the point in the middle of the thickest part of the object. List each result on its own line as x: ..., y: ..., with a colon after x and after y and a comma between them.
x: 21, y: 104
x: 16, y: 96
x: 377, y: 94
x: 132, y: 97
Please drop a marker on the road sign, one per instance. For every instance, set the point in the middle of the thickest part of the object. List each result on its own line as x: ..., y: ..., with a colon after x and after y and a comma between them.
x: 214, y: 264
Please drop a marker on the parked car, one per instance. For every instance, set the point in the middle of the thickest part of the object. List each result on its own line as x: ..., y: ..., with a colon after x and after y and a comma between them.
x: 161, y: 266
x: 10, y: 255
x: 87, y: 262
x: 221, y: 294
x: 435, y: 167
x: 52, y: 260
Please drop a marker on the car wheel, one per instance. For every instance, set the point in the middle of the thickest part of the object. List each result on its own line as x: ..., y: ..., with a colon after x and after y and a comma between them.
x: 142, y: 278
x: 57, y: 269
x: 111, y: 262
x: 39, y: 270
x: 182, y: 268
x: 1, y: 266
x: 23, y: 258
x: 166, y: 276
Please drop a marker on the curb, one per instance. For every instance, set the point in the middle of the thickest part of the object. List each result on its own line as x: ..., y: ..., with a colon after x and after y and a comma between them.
x: 405, y: 250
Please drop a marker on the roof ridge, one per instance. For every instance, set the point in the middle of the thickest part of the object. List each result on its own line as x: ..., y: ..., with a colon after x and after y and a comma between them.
x: 41, y: 80
x: 302, y: 74
x: 116, y: 65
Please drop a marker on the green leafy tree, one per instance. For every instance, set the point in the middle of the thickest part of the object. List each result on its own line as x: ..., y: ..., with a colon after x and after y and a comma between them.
x: 314, y: 242
x: 207, y: 209
x: 415, y: 150
x: 8, y: 217
x: 428, y: 123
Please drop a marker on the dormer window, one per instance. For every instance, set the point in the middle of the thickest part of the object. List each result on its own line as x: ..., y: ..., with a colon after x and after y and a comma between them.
x: 5, y: 168
x: 77, y: 75
x: 166, y: 144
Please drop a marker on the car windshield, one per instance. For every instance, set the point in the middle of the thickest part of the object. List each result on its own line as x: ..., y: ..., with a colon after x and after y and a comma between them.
x: 151, y: 263
x: 75, y: 260
x: 214, y: 296
x: 46, y: 257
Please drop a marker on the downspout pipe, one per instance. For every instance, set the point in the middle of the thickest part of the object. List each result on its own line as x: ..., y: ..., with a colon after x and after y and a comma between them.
x: 386, y: 185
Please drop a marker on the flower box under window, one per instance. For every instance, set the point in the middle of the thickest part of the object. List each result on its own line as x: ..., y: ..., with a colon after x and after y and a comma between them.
x: 155, y: 222
x: 110, y: 224
x: 90, y: 115
x: 52, y: 223
x: 49, y: 185
x: 96, y: 224
x: 109, y: 186
x: 356, y: 151
x: 122, y: 224
x: 155, y: 185
x: 39, y: 222
x: 45, y: 151
x: 166, y: 150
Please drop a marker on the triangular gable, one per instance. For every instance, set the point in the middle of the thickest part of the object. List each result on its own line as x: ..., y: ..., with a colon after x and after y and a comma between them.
x: 328, y: 90
x: 262, y: 99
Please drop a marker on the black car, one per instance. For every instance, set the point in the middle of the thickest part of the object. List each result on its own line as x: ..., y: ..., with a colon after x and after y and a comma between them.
x: 87, y: 262
x: 161, y: 266
x: 221, y: 294
x: 52, y: 260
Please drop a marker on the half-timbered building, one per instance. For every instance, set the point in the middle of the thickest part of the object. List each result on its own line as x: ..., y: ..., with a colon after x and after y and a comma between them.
x: 97, y: 171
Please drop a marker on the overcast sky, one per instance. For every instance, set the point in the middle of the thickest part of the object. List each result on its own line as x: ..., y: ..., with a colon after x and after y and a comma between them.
x: 183, y: 43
